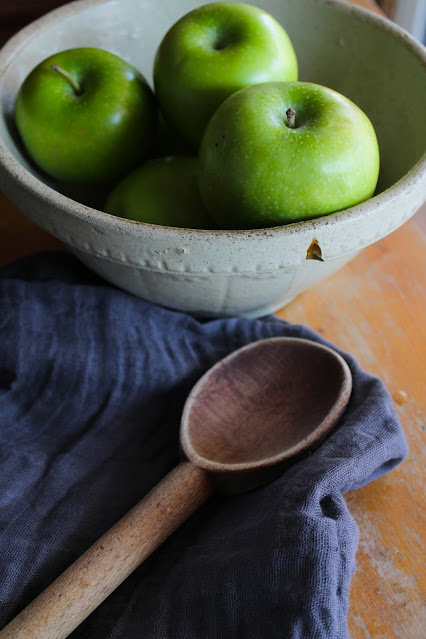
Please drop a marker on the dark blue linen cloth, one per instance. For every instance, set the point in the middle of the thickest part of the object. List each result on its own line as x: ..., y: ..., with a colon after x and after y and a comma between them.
x: 92, y: 385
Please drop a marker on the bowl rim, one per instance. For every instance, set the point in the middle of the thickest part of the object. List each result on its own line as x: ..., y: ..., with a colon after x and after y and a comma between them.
x: 18, y: 173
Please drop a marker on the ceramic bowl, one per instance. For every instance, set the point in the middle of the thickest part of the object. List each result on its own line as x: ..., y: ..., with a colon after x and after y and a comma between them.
x: 225, y: 273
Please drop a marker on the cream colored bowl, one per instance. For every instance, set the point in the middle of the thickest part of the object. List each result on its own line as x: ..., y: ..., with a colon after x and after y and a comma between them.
x: 223, y: 273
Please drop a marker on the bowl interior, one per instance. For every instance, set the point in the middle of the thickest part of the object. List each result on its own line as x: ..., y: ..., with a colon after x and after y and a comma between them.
x: 341, y: 48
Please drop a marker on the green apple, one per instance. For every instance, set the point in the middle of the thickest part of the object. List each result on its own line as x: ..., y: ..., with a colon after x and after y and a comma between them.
x: 213, y: 52
x: 85, y: 115
x: 161, y: 191
x: 283, y: 152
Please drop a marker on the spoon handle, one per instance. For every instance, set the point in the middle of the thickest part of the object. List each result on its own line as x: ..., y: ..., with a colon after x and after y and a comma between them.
x: 59, y: 609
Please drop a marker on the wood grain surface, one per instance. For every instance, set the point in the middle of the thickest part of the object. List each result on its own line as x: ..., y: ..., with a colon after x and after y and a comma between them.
x: 374, y: 308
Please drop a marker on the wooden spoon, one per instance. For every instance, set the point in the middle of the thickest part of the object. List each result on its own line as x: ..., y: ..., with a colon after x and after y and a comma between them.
x: 244, y: 421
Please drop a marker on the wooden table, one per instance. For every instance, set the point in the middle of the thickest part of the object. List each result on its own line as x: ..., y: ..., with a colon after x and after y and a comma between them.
x: 375, y: 309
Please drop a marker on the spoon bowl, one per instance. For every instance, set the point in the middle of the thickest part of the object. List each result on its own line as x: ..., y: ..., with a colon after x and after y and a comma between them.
x: 248, y: 417
x: 261, y: 407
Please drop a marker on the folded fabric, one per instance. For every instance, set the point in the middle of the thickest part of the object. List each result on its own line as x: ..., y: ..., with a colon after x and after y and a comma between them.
x: 92, y: 385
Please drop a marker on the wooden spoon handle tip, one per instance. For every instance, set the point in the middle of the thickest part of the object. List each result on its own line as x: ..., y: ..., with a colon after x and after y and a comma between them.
x: 59, y: 609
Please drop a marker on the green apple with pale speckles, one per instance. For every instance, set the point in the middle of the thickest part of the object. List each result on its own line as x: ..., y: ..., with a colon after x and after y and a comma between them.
x: 283, y: 152
x: 212, y: 52
x: 86, y: 116
x: 161, y: 191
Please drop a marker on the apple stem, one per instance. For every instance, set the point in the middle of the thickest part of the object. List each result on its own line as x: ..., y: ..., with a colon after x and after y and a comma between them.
x: 291, y: 118
x: 68, y: 77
